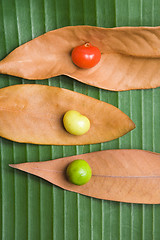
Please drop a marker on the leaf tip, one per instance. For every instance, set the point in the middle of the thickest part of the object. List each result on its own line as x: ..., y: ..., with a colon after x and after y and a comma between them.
x: 12, y: 165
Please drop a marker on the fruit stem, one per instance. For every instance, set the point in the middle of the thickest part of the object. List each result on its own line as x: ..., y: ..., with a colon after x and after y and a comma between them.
x: 87, y: 44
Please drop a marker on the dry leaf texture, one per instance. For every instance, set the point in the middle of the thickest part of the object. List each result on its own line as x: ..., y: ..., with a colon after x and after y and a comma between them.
x: 130, y: 57
x: 33, y: 114
x: 119, y: 175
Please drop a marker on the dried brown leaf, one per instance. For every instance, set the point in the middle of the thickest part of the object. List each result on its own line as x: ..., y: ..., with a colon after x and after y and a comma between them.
x: 130, y: 57
x: 119, y: 175
x: 34, y: 113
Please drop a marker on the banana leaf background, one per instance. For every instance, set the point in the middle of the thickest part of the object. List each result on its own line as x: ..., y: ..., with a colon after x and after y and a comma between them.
x: 33, y: 209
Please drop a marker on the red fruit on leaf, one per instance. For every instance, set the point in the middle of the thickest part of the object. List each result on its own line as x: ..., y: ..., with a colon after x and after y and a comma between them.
x: 86, y: 56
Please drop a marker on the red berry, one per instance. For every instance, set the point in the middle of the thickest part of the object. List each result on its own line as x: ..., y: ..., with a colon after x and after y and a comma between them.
x: 86, y: 56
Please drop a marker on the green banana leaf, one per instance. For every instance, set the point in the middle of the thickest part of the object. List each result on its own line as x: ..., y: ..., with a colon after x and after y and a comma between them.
x: 33, y: 209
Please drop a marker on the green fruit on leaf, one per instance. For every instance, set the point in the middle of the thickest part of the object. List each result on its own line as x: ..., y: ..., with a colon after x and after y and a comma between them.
x: 75, y: 123
x: 79, y: 172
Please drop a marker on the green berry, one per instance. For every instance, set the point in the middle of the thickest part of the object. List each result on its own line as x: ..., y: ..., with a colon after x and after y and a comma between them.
x: 79, y: 172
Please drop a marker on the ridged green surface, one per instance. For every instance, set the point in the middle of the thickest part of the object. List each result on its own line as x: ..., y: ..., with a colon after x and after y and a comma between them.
x: 33, y: 209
